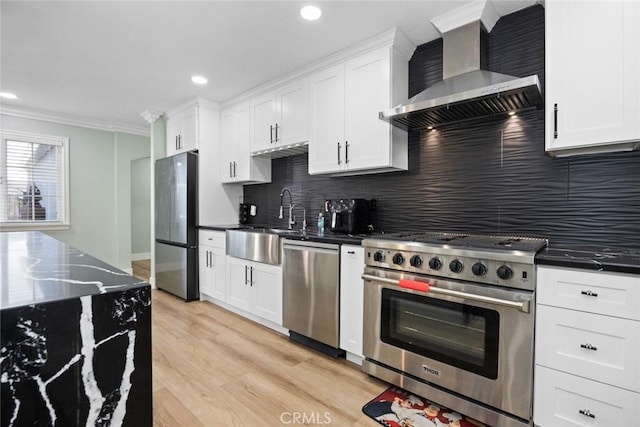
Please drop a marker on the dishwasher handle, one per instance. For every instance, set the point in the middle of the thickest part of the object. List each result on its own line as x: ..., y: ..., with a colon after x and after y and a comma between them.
x: 295, y: 245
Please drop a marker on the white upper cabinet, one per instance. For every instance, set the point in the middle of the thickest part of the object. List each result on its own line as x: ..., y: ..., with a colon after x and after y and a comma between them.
x: 263, y: 122
x: 182, y: 130
x: 196, y: 125
x: 346, y: 135
x: 237, y: 164
x: 281, y: 117
x: 326, y: 151
x: 592, y: 76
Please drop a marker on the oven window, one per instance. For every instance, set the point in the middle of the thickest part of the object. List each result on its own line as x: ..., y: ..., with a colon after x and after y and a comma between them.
x: 457, y: 334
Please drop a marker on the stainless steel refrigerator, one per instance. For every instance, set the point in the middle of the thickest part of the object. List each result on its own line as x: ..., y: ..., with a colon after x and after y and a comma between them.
x: 176, y: 218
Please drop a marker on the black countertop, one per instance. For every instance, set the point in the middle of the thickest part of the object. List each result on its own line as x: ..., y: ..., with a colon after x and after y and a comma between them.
x: 582, y: 257
x: 311, y: 235
x: 37, y: 268
x: 591, y: 258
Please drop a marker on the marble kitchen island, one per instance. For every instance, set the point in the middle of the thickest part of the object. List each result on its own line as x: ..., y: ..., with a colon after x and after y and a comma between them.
x: 76, y: 337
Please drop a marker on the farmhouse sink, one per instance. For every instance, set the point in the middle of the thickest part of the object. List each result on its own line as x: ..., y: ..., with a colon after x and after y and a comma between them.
x: 259, y: 244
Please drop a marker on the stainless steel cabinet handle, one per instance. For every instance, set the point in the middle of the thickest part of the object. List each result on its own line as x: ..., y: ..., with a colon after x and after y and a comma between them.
x: 351, y: 252
x: 271, y: 133
x: 522, y: 306
x: 251, y: 277
x: 589, y: 347
x: 209, y: 253
x: 277, y: 139
x: 555, y: 121
x: 211, y: 259
x: 245, y: 275
x: 230, y: 174
x: 586, y: 412
x: 346, y: 151
x: 339, y: 162
x: 234, y: 170
x: 589, y: 293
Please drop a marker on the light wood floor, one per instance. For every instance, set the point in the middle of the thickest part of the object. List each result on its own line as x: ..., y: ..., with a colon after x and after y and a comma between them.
x: 141, y: 269
x: 212, y: 367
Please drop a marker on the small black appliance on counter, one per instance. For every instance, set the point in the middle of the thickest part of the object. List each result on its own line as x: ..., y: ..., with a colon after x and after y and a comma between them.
x: 243, y: 213
x: 350, y: 216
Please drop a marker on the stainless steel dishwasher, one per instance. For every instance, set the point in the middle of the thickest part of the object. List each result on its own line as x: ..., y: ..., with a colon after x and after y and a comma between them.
x: 311, y: 304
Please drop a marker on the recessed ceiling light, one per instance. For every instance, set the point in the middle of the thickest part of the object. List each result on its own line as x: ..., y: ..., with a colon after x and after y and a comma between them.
x: 429, y: 127
x: 512, y: 113
x: 8, y: 95
x: 199, y: 80
x: 310, y: 13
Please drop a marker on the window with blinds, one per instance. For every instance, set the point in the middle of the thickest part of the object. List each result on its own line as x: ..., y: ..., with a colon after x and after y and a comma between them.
x: 33, y: 181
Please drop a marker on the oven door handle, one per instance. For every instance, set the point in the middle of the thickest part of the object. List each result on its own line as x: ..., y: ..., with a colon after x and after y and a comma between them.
x: 519, y: 305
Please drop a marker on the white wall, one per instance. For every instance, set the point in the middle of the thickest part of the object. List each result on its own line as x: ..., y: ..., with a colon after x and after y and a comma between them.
x: 99, y: 187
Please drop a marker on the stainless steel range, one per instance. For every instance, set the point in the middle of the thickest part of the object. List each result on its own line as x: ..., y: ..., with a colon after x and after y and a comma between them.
x: 451, y: 317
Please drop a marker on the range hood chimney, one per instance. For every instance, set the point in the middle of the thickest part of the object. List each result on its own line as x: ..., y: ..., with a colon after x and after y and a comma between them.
x: 467, y: 91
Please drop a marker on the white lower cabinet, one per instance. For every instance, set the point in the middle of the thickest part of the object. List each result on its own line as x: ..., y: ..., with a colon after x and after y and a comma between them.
x: 255, y: 288
x: 351, y: 298
x: 211, y: 257
x: 587, y: 352
x: 602, y: 348
x: 565, y: 400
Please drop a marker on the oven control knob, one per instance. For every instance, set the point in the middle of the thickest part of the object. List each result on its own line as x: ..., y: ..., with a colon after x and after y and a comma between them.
x: 398, y: 259
x: 435, y: 263
x: 378, y: 256
x: 415, y: 261
x: 479, y: 269
x: 504, y: 272
x: 456, y: 266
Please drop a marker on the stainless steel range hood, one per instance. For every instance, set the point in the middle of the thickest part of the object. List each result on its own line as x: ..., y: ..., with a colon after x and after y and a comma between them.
x: 467, y: 92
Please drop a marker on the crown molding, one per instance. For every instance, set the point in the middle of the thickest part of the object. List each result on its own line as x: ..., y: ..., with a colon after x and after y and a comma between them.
x: 190, y: 103
x: 151, y: 115
x: 392, y: 37
x: 65, y: 119
x: 480, y: 10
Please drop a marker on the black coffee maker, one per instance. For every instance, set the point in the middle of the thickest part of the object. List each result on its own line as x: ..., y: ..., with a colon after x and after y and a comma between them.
x: 349, y: 216
x: 243, y: 213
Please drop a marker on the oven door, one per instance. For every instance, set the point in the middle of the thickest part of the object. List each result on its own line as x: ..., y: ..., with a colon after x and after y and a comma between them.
x: 474, y: 340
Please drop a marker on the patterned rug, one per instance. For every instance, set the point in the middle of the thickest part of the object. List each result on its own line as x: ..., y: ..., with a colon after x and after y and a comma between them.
x: 396, y: 407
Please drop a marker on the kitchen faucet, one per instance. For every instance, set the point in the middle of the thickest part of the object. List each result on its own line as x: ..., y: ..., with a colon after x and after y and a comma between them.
x: 292, y: 219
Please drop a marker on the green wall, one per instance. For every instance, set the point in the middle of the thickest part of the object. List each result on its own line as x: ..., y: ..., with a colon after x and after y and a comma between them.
x: 99, y: 187
x: 141, y: 207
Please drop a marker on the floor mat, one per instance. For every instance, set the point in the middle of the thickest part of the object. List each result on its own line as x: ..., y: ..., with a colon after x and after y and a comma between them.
x: 396, y: 407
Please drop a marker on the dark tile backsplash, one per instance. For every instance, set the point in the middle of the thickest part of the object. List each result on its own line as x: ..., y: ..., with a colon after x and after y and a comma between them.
x: 486, y: 176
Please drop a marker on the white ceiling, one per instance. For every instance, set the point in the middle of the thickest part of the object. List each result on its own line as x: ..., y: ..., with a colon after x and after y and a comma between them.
x: 111, y: 60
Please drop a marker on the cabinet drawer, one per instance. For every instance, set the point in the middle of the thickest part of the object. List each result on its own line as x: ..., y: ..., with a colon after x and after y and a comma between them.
x: 214, y: 239
x: 598, y: 347
x: 613, y: 294
x: 564, y: 400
